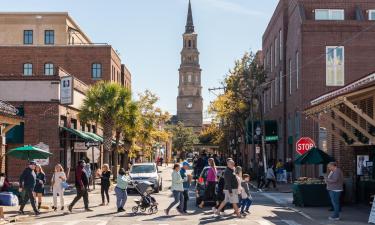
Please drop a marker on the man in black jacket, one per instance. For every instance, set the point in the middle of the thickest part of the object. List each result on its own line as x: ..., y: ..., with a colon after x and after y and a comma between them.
x: 230, y: 189
x: 81, y: 184
x: 27, y: 185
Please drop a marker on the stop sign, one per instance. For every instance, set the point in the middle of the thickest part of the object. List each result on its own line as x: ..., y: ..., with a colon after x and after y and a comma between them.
x: 304, y: 144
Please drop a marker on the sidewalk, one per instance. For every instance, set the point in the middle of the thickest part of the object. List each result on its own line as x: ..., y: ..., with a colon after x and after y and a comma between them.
x: 351, y: 214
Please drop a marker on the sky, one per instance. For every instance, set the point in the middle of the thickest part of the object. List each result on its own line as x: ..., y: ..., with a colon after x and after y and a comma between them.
x: 148, y: 35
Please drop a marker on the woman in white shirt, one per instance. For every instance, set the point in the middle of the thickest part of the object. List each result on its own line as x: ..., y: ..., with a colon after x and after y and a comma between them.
x: 57, y: 186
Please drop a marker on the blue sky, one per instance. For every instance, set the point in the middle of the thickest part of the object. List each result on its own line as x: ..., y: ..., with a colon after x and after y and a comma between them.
x: 148, y: 35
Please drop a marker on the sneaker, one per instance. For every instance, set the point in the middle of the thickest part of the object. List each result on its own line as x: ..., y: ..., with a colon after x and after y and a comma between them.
x: 103, y: 204
x: 21, y: 212
x: 62, y: 208
x: 334, y: 218
x: 37, y: 213
x: 70, y: 208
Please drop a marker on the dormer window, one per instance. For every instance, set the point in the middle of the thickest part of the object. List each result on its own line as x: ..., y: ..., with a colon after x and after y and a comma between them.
x: 329, y: 14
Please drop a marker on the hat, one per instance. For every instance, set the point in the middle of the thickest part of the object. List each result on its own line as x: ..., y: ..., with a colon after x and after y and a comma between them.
x: 185, y: 164
x: 32, y: 162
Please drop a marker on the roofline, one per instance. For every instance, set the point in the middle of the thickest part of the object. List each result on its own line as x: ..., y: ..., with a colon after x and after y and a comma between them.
x: 51, y: 13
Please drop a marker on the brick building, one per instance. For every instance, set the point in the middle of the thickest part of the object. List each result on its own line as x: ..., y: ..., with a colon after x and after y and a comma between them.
x: 37, y: 50
x: 310, y: 48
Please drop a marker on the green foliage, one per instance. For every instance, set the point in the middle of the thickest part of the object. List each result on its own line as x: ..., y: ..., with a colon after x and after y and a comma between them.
x: 183, y: 138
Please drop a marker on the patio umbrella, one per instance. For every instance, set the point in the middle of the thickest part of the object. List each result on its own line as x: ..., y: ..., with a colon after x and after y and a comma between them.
x: 314, y: 156
x: 29, y: 152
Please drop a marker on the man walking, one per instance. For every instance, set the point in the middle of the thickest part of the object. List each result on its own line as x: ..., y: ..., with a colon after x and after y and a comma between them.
x: 81, y: 184
x: 335, y: 183
x: 230, y: 189
x: 27, y: 185
x: 186, y: 185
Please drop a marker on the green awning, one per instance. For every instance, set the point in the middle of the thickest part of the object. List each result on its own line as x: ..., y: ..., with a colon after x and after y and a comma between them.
x: 95, y: 136
x: 79, y: 134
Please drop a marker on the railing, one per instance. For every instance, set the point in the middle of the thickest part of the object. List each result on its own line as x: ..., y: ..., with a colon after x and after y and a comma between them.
x: 8, y: 108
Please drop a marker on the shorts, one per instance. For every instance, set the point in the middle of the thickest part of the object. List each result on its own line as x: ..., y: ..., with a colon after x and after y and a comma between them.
x: 231, y: 198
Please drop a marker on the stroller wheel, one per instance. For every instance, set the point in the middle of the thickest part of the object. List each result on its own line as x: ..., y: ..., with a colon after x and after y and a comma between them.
x: 135, y: 209
x: 143, y: 209
x: 151, y: 210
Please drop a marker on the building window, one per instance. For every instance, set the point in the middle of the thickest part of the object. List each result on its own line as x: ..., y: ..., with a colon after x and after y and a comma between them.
x: 276, y: 55
x: 271, y: 58
x: 27, y: 69
x: 49, y: 37
x: 281, y: 44
x: 96, y: 70
x: 189, y: 43
x: 329, y: 14
x: 48, y: 69
x: 371, y: 14
x: 196, y: 79
x: 297, y: 69
x: 335, y: 66
x: 290, y: 76
x: 281, y: 86
x: 271, y: 95
x: 189, y: 78
x: 28, y: 37
x: 277, y: 84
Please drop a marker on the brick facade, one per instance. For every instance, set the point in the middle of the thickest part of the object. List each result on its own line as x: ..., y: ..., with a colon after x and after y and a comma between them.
x: 306, y: 38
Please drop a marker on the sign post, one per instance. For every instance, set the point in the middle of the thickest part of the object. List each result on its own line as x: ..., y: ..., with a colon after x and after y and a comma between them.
x: 66, y: 90
x: 304, y: 144
x: 92, y: 145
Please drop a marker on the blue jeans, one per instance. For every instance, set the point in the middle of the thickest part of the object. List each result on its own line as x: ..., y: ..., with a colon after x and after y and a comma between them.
x: 245, y: 204
x: 335, y: 200
x: 121, y: 197
x: 178, y: 198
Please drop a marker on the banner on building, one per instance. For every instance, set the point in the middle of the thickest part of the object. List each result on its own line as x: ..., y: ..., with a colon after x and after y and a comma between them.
x: 66, y: 90
x: 80, y: 147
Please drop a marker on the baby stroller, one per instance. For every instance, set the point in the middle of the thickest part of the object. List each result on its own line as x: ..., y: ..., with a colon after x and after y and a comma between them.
x: 144, y: 189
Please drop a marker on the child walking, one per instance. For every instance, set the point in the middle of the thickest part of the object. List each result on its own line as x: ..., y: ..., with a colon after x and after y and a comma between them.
x: 246, y: 198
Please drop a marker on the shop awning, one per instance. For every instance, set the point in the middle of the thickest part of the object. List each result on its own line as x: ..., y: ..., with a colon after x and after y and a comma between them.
x: 98, y: 138
x: 348, y: 112
x: 80, y: 134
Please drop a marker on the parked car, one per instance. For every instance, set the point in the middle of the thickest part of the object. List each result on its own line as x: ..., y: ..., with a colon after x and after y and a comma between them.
x: 146, y: 172
x: 202, y: 185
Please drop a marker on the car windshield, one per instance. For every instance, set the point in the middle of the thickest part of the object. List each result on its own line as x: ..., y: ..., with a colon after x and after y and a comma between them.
x: 143, y: 169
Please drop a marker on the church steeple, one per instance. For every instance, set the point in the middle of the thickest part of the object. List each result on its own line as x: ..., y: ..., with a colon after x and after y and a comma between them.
x: 189, y: 28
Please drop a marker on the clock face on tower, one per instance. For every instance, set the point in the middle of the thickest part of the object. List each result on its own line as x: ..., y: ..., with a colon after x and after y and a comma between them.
x: 189, y: 105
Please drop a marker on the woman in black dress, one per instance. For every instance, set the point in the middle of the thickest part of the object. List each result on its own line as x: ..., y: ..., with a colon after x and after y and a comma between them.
x: 105, y: 183
x: 39, y: 186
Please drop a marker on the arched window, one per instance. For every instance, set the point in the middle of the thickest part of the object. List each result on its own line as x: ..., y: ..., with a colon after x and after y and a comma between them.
x: 189, y: 43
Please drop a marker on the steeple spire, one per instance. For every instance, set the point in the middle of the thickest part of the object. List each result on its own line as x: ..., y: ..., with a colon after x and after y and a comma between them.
x: 189, y: 28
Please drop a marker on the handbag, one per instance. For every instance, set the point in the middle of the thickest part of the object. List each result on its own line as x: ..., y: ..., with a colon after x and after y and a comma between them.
x: 64, y: 185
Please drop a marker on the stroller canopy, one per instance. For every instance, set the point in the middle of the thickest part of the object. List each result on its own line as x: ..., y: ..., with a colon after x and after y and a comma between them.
x: 144, y: 187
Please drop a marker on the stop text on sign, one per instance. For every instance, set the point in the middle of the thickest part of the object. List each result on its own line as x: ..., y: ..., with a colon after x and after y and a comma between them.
x: 304, y: 144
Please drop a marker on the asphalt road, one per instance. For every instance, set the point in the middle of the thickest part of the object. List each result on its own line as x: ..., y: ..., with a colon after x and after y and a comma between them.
x: 265, y: 211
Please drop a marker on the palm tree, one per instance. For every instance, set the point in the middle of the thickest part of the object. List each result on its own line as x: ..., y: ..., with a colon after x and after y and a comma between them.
x: 102, y: 104
x: 125, y: 125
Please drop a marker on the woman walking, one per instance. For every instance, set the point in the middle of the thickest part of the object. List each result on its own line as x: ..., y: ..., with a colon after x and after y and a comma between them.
x: 105, y: 183
x: 211, y: 183
x: 270, y: 177
x: 39, y: 186
x: 58, y: 178
x: 120, y: 190
x: 177, y: 189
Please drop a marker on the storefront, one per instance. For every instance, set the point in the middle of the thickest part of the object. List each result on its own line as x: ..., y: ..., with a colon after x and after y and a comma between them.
x: 348, y: 116
x: 8, y: 120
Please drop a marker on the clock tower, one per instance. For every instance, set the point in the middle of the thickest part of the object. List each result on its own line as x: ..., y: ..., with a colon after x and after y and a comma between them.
x: 189, y: 100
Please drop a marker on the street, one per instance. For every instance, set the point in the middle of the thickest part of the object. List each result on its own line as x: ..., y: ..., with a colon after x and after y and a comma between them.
x: 265, y: 211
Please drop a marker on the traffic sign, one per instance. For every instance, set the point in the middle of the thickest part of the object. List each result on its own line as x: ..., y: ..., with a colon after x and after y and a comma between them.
x: 304, y: 144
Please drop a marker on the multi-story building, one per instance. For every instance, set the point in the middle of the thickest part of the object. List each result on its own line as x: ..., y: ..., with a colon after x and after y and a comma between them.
x: 36, y: 51
x: 310, y: 48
